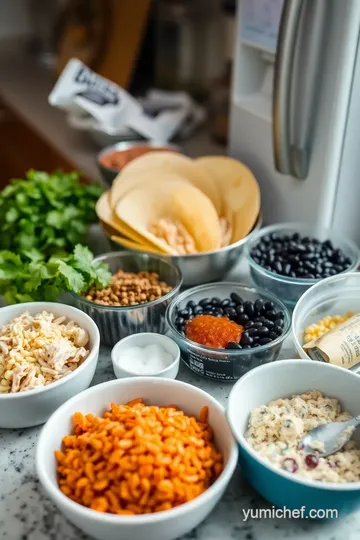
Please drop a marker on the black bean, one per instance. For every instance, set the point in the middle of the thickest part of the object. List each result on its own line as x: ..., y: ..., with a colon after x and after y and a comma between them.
x: 260, y: 319
x: 184, y: 313
x: 263, y: 332
x: 191, y: 305
x: 179, y: 321
x: 258, y: 324
x: 278, y: 267
x: 271, y: 314
x: 233, y: 345
x: 272, y: 335
x: 209, y: 312
x: 242, y: 319
x: 240, y: 309
x: 246, y: 339
x: 280, y: 315
x: 204, y: 301
x: 249, y: 324
x: 257, y: 344
x: 217, y: 314
x: 265, y: 341
x: 198, y: 310
x: 215, y: 301
x: 230, y: 312
x: 287, y: 269
x: 269, y: 324
x: 269, y: 306
x: 278, y: 330
x: 255, y: 339
x: 235, y: 297
x: 225, y: 302
x: 246, y: 346
x: 279, y: 322
x: 219, y: 310
x: 253, y: 331
x: 249, y: 309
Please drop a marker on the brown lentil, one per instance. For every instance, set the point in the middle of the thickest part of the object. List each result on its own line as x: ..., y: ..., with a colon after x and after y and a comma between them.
x: 130, y: 289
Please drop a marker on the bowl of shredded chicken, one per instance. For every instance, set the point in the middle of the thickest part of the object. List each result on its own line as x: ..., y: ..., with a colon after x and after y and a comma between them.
x: 48, y: 352
x: 36, y: 350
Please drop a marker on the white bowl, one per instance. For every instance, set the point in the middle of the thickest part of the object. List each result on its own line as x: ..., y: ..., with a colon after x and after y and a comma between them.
x: 142, y: 340
x: 332, y: 296
x: 33, y: 407
x: 161, y: 525
x: 280, y: 380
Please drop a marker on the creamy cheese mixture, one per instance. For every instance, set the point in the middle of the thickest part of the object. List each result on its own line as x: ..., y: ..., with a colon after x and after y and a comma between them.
x: 276, y: 429
x: 36, y: 350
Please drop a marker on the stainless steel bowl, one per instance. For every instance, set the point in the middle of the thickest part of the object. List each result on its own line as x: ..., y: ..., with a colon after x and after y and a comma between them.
x: 109, y: 174
x: 211, y: 266
x: 114, y: 322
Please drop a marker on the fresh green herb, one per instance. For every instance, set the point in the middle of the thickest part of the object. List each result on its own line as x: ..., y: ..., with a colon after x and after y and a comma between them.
x: 46, y: 212
x: 29, y: 277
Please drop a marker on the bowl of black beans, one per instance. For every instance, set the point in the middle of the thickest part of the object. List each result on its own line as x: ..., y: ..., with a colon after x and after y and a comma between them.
x: 287, y: 259
x: 225, y: 329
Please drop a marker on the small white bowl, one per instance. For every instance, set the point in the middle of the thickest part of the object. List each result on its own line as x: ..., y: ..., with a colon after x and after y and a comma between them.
x: 33, y: 407
x: 164, y: 525
x: 142, y: 340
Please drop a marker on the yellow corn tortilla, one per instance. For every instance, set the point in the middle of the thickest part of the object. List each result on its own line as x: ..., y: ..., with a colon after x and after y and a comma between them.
x: 125, y: 182
x: 177, y: 200
x: 116, y: 225
x: 240, y: 192
x: 171, y: 162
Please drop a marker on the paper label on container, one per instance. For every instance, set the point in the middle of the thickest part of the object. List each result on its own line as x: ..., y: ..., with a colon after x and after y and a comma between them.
x: 340, y: 346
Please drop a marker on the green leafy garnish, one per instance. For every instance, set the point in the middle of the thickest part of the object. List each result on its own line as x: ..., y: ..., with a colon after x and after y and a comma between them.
x: 46, y: 212
x: 30, y: 278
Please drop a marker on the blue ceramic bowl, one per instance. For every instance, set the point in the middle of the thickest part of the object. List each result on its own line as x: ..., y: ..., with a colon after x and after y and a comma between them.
x: 283, y: 379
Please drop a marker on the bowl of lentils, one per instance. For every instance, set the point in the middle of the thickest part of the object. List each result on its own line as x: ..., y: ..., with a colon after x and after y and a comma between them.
x: 226, y: 329
x: 135, y: 300
x: 287, y: 259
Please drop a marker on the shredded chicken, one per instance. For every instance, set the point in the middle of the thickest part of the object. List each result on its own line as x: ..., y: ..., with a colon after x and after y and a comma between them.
x: 36, y: 350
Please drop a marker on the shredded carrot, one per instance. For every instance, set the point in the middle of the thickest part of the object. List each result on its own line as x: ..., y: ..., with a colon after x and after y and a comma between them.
x: 137, y: 459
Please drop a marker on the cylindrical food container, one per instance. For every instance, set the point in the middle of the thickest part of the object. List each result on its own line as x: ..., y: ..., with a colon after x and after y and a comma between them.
x: 290, y: 289
x: 117, y: 322
x: 337, y: 295
x: 224, y: 364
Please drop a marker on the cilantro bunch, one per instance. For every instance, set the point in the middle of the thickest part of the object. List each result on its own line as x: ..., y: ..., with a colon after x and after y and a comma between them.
x: 29, y: 277
x: 46, y: 212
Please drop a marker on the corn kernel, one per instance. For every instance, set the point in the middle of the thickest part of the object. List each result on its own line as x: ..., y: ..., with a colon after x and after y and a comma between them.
x: 318, y: 329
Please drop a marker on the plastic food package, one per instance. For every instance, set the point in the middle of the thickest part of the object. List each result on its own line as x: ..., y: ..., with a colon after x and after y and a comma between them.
x: 340, y: 346
x: 95, y: 103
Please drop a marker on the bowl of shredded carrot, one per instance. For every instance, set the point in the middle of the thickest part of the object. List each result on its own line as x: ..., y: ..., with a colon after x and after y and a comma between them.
x: 137, y: 458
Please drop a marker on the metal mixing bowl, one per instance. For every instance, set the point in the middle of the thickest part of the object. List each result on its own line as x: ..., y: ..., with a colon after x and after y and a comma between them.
x: 109, y: 174
x: 211, y: 266
x: 117, y: 322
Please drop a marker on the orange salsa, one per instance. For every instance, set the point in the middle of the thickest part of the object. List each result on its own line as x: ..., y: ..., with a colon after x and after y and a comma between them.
x: 216, y: 332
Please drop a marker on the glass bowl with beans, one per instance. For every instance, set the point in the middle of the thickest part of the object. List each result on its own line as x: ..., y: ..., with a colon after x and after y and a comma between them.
x: 135, y: 301
x: 287, y: 259
x: 226, y: 329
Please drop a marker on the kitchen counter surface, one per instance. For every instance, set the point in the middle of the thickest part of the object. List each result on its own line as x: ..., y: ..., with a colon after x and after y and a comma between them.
x: 27, y: 514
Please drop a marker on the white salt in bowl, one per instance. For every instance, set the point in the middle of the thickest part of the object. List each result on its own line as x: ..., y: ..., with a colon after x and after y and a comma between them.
x: 143, y: 340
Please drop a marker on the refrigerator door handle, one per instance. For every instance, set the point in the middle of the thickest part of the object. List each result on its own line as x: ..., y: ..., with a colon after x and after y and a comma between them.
x: 305, y: 95
x: 285, y: 54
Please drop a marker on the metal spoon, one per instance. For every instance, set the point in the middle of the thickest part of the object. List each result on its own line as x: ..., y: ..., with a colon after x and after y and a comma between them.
x: 333, y: 437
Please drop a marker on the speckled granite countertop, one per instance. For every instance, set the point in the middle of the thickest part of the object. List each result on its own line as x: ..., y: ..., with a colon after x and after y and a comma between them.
x: 27, y: 514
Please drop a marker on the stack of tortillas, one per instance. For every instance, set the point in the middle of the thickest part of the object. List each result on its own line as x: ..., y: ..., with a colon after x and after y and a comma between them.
x: 167, y: 203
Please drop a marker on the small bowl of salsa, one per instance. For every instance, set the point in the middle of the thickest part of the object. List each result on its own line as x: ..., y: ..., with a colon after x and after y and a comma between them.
x: 112, y: 159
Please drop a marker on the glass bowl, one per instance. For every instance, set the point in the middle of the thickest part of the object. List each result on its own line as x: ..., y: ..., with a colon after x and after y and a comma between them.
x: 224, y: 364
x: 288, y: 289
x: 117, y: 322
x: 332, y: 296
